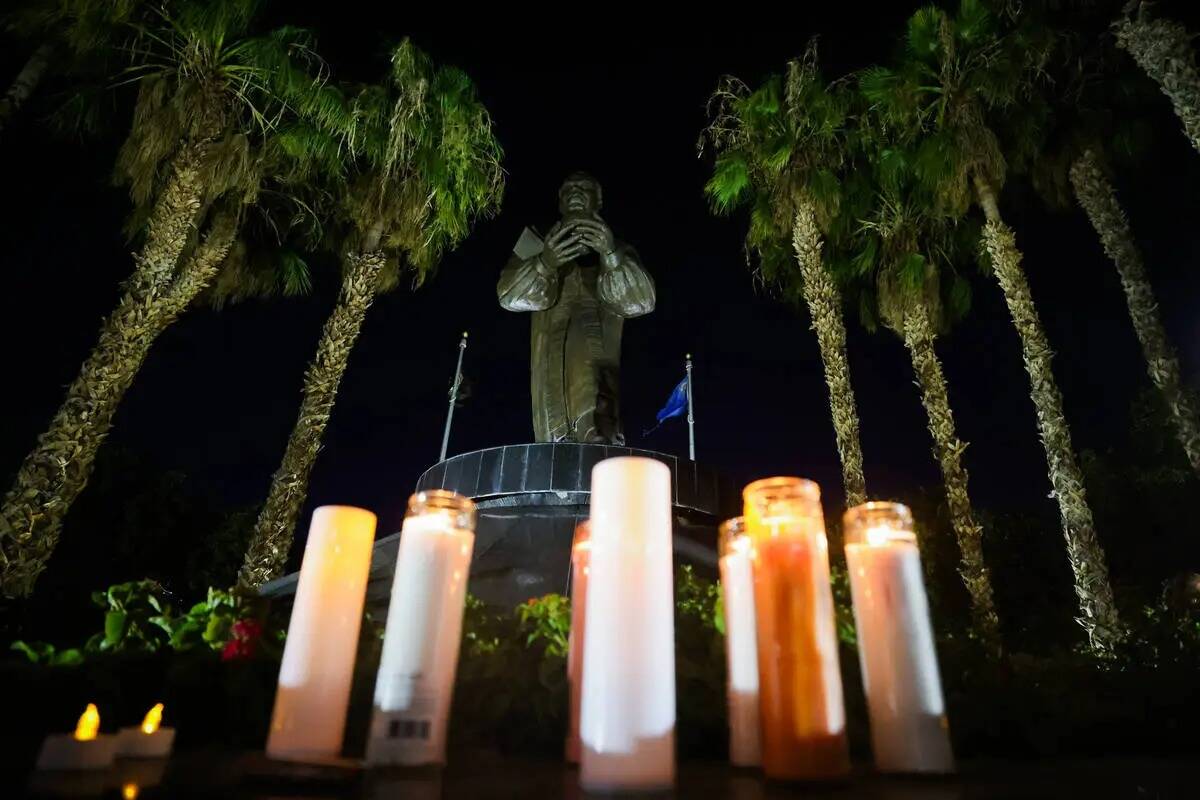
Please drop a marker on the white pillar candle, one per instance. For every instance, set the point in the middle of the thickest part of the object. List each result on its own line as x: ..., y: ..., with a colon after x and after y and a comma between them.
x: 322, y: 639
x: 895, y: 641
x: 424, y: 627
x: 627, y: 715
x: 580, y: 560
x: 741, y: 657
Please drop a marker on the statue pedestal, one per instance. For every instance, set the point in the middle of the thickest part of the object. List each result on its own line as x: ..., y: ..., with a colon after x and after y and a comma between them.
x: 530, y: 497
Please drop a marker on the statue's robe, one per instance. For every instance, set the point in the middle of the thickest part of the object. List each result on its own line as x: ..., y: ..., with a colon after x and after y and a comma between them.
x: 576, y: 337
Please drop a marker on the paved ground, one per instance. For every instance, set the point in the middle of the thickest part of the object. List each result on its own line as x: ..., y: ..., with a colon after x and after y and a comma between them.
x: 488, y: 778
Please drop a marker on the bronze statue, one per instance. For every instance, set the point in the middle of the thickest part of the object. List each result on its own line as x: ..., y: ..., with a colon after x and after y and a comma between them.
x: 581, y: 285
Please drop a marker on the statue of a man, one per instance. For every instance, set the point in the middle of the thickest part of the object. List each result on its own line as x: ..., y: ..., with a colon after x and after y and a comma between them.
x: 581, y: 284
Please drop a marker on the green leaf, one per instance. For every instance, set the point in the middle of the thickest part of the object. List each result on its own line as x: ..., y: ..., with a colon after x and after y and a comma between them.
x: 67, y: 658
x: 36, y: 652
x: 115, y: 627
x: 216, y: 632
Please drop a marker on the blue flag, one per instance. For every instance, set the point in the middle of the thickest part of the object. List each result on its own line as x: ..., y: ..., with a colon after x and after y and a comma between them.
x: 676, y: 405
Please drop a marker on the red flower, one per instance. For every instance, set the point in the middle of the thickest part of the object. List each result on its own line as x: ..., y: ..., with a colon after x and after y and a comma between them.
x: 243, y: 640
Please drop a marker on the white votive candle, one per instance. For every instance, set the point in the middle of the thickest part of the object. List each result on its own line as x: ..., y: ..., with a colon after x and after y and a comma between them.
x: 741, y: 656
x: 85, y: 749
x: 909, y: 732
x: 627, y: 715
x: 415, y: 684
x: 322, y: 639
x: 148, y: 740
x: 580, y: 559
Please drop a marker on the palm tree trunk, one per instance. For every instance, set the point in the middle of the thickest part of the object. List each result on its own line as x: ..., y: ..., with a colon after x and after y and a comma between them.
x: 268, y: 550
x: 26, y: 81
x: 174, y: 216
x: 1098, y: 198
x: 825, y: 307
x: 948, y: 448
x: 58, y: 468
x: 1099, y: 610
x: 1163, y: 49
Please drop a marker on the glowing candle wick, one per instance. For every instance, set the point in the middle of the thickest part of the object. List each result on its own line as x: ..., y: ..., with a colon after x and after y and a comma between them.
x: 153, y: 719
x: 89, y: 724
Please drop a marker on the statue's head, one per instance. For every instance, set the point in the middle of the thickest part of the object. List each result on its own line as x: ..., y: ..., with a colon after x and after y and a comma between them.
x: 579, y: 195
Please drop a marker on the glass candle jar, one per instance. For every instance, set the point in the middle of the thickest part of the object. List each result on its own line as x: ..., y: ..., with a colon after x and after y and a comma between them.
x: 800, y: 685
x: 895, y: 641
x: 415, y: 683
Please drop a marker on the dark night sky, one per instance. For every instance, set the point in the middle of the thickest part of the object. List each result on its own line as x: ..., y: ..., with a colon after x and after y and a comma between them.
x: 220, y: 391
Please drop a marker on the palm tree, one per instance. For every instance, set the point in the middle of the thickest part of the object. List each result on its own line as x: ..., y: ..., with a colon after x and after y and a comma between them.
x: 425, y: 165
x: 1096, y: 195
x: 904, y: 258
x: 778, y: 149
x: 1099, y: 115
x: 197, y: 153
x: 1164, y: 50
x: 80, y: 39
x: 958, y: 74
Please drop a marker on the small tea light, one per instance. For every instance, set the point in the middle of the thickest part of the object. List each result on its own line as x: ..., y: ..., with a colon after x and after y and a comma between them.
x: 86, y: 748
x: 149, y: 740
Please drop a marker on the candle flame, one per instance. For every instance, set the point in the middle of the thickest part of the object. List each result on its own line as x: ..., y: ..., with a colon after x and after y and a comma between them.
x: 153, y: 719
x: 129, y: 791
x: 89, y: 724
x: 879, y: 535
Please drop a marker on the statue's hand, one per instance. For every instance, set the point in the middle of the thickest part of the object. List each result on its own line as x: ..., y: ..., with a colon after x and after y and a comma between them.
x: 596, y: 235
x: 563, y: 244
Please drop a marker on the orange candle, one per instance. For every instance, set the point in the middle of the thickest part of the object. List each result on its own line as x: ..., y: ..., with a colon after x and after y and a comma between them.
x: 580, y: 558
x: 800, y: 684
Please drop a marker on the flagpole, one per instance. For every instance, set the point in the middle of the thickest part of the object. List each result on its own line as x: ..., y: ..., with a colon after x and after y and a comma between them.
x: 691, y: 416
x: 462, y: 346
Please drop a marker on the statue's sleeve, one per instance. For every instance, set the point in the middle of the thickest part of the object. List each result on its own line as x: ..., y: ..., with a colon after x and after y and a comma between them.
x: 526, y: 284
x: 625, y: 288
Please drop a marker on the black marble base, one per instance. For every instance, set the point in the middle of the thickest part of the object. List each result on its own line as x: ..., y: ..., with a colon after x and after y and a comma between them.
x: 529, y: 499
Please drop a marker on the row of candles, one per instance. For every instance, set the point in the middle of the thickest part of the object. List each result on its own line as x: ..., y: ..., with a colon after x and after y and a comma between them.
x: 786, y: 711
x: 786, y: 708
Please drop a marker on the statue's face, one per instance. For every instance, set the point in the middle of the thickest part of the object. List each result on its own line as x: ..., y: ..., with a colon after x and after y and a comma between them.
x: 579, y: 195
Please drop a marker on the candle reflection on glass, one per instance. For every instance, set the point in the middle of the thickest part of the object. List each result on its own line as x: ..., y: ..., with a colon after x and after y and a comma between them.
x: 741, y: 656
x: 581, y: 548
x: 895, y: 641
x: 800, y: 684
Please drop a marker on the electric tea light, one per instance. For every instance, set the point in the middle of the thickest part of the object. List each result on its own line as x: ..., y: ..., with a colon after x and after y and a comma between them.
x: 415, y: 683
x: 741, y: 656
x: 895, y: 641
x: 148, y: 740
x: 800, y: 684
x: 85, y: 749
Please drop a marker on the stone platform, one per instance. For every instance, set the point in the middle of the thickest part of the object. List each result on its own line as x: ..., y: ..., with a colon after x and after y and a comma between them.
x: 529, y: 499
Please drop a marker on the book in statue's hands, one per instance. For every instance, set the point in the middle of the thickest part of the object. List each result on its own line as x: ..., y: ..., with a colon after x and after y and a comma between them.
x: 529, y: 245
